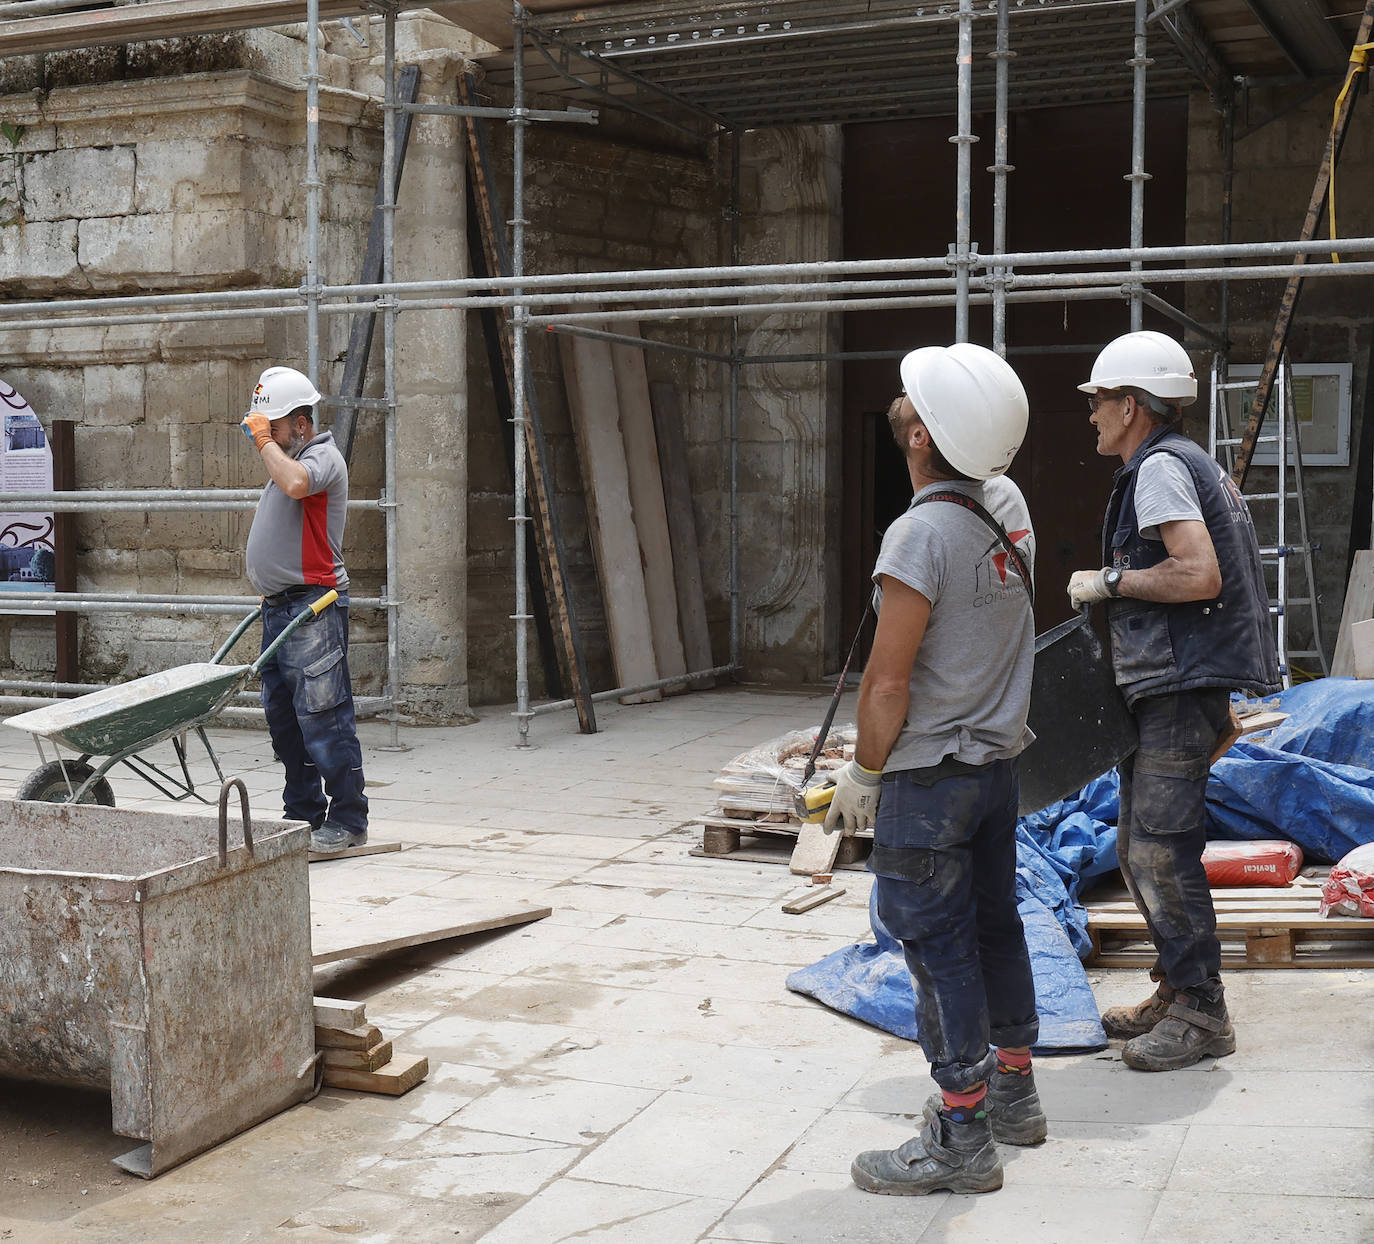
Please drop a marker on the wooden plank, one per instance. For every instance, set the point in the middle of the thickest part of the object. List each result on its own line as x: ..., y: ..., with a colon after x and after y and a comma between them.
x: 1361, y: 643
x: 359, y: 1060
x: 647, y: 502
x: 1242, y: 920
x: 590, y: 378
x: 807, y: 900
x: 348, y: 853
x: 1359, y: 605
x: 335, y: 1013
x: 62, y: 433
x: 363, y: 1037
x: 493, y: 255
x: 399, y: 1076
x: 682, y: 531
x: 340, y: 930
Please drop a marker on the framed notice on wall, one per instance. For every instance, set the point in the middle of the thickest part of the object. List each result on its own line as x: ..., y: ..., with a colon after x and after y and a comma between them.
x: 27, y: 557
x: 1321, y: 403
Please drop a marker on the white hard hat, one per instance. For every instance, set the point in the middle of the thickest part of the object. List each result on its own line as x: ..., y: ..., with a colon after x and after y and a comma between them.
x: 1145, y: 360
x: 280, y: 391
x: 973, y: 404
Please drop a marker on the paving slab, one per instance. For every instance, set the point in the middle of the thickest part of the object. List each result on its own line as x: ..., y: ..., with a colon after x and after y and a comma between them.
x: 1244, y: 1218
x: 574, y: 1209
x: 797, y: 1207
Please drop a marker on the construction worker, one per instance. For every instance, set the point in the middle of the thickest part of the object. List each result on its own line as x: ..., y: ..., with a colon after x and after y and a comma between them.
x: 941, y: 722
x: 1189, y: 619
x: 294, y: 556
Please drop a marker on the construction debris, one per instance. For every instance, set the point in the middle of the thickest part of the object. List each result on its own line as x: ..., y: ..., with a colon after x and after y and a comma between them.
x: 805, y: 901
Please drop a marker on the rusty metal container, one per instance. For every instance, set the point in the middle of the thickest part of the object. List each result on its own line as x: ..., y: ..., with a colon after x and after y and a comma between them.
x: 162, y: 958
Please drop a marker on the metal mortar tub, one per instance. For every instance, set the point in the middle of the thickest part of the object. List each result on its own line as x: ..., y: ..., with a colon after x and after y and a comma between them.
x: 160, y: 958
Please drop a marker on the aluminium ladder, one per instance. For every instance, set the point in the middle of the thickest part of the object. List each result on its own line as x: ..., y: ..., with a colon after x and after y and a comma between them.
x: 1288, y: 455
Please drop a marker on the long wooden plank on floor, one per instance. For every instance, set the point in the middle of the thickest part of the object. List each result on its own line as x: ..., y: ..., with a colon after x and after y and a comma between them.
x: 589, y: 374
x: 341, y: 930
x: 682, y: 530
x: 1359, y: 605
x: 647, y: 502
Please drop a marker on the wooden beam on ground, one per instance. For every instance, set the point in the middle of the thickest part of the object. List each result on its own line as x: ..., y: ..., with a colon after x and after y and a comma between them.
x: 163, y: 19
x: 647, y: 502
x: 345, y: 418
x: 1264, y: 387
x: 400, y: 1075
x: 553, y: 561
x: 682, y: 531
x: 590, y: 379
x: 343, y: 930
x: 336, y: 1013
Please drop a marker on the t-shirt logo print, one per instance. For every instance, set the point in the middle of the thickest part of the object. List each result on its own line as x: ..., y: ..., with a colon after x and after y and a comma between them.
x: 999, y: 559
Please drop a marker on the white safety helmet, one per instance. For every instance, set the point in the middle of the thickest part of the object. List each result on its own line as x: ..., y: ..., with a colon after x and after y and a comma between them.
x: 1146, y: 360
x: 280, y: 391
x: 973, y: 403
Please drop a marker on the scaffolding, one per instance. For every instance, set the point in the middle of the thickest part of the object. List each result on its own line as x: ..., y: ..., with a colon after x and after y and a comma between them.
x: 593, y: 303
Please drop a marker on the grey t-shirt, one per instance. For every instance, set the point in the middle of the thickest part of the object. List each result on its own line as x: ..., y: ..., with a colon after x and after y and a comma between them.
x: 294, y: 543
x: 1164, y: 493
x: 970, y: 684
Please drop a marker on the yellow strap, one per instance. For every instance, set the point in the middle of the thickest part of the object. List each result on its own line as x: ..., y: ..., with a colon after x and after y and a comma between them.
x: 1359, y: 55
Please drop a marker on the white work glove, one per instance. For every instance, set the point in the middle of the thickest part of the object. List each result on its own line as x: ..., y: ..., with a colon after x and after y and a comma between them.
x: 1086, y: 586
x: 854, y: 805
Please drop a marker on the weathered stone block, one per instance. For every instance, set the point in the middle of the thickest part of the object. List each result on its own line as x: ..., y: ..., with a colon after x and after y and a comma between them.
x: 179, y: 175
x: 33, y: 649
x: 124, y: 249
x: 54, y: 393
x: 36, y: 257
x: 114, y: 396
x: 80, y: 182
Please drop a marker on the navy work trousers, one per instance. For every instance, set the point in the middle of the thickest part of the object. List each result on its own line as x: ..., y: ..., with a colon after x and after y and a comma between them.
x: 308, y: 699
x: 1161, y: 832
x: 944, y: 852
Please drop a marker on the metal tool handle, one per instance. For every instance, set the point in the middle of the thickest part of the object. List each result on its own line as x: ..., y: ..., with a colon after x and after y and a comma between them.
x: 224, y: 819
x: 308, y: 615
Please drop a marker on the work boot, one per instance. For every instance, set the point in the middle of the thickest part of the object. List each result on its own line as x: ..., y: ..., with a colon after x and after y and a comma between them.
x: 1013, y: 1107
x: 330, y: 837
x: 945, y: 1157
x: 1126, y: 1022
x: 1193, y: 1028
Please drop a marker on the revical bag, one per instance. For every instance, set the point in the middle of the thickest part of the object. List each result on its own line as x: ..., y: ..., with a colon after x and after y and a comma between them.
x: 1260, y: 862
x: 1349, y: 890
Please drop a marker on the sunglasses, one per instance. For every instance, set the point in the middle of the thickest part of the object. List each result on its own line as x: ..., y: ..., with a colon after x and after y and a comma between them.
x: 1097, y: 400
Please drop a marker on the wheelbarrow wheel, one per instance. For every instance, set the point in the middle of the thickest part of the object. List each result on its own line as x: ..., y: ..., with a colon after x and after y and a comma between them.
x: 49, y: 784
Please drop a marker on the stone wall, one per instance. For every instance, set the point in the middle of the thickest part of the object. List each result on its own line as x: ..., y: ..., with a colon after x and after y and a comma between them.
x: 1276, y: 167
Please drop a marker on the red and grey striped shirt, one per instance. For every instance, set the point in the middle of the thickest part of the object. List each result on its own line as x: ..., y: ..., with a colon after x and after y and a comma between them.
x: 295, y: 543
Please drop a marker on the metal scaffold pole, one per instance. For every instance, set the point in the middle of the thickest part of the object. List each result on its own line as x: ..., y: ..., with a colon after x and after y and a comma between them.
x: 313, y: 188
x: 391, y: 490
x: 964, y: 190
x: 999, y: 168
x: 1139, y: 63
x: 519, y: 415
x: 736, y: 616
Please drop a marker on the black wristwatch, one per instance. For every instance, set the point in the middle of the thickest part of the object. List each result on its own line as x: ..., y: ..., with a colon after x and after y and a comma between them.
x: 1111, y: 580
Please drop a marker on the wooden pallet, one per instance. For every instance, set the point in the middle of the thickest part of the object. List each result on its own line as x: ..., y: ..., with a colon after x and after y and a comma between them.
x: 1259, y: 927
x: 769, y: 842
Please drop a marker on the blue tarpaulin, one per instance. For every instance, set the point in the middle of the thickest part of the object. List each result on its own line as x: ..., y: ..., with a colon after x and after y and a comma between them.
x: 1307, y: 783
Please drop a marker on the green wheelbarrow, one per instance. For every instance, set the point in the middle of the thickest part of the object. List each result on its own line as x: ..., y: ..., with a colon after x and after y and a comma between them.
x: 120, y: 722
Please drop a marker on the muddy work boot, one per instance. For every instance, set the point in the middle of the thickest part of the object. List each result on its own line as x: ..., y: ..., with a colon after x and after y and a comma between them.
x: 1013, y: 1107
x: 1125, y: 1022
x: 945, y: 1157
x: 1193, y: 1028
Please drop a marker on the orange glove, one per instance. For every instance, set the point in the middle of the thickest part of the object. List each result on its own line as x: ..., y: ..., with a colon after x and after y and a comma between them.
x: 258, y: 428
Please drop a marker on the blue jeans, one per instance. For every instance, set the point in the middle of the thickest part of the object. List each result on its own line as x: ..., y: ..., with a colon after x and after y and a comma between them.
x: 1161, y: 832
x: 944, y: 852
x: 308, y: 699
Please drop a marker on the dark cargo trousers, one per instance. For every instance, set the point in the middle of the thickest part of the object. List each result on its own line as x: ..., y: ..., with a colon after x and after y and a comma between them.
x: 1161, y: 832
x: 944, y: 855
x: 308, y: 700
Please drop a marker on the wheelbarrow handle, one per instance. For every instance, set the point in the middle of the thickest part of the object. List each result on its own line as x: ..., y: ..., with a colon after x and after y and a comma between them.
x: 236, y: 636
x: 308, y: 615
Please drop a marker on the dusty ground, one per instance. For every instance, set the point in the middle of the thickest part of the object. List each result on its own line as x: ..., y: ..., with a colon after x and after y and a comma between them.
x: 632, y: 1068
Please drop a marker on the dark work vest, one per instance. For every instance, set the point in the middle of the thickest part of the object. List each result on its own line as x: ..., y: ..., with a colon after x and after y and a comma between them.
x: 1226, y: 642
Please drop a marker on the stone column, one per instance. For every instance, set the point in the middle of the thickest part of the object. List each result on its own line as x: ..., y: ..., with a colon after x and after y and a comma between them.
x: 431, y: 389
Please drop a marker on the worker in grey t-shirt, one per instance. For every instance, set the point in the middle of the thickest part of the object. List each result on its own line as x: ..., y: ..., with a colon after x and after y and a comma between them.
x: 942, y: 720
x: 295, y: 556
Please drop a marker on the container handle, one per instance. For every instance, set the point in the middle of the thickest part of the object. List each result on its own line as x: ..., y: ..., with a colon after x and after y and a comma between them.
x: 224, y: 819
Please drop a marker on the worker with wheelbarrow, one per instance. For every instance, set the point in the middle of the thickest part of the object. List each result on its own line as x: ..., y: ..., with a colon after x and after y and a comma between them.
x: 294, y: 556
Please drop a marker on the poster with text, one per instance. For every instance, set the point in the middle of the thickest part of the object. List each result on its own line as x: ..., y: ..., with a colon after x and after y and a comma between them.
x: 28, y: 561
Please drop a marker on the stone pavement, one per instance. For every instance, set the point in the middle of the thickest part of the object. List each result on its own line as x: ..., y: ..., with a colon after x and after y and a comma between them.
x: 632, y: 1068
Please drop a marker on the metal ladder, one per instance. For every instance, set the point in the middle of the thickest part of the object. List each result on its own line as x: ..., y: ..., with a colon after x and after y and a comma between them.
x: 1222, y: 446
